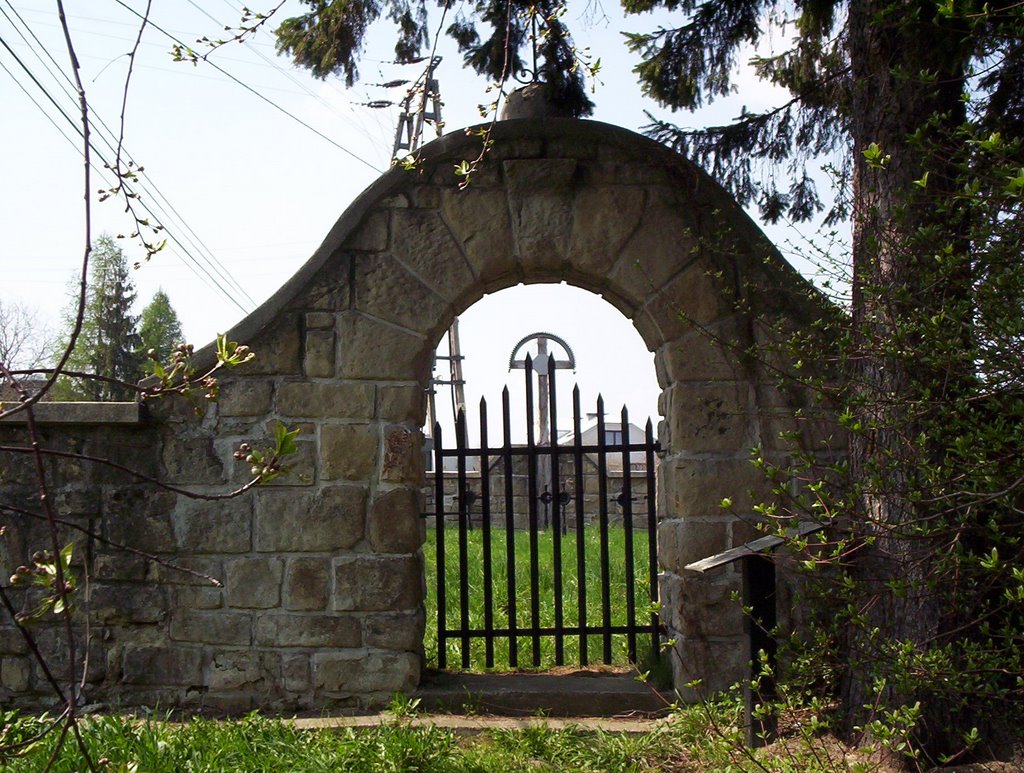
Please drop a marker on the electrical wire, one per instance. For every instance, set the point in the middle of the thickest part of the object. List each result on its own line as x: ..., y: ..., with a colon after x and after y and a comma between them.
x: 256, y: 93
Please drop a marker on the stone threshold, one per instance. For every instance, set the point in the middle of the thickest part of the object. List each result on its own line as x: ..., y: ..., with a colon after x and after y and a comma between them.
x: 475, y: 725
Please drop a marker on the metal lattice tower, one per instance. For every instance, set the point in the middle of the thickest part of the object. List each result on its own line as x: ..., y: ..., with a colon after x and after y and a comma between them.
x: 422, y: 104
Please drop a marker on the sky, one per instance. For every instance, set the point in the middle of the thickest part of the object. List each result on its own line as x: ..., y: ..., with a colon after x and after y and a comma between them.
x: 248, y: 162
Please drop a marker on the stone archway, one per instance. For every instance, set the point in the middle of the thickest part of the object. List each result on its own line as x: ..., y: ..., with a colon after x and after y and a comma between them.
x: 322, y: 603
x: 596, y: 206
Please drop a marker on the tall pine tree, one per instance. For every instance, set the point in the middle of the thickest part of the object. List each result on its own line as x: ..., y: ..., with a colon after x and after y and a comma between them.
x: 159, y: 327
x: 109, y: 344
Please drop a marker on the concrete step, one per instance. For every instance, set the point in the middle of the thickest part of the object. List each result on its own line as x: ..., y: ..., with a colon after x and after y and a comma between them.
x: 575, y: 693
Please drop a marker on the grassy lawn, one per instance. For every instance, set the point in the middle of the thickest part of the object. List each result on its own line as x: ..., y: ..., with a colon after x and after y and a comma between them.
x: 546, y: 594
x: 696, y: 739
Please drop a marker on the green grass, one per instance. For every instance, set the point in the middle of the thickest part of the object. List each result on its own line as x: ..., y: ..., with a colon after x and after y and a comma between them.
x: 546, y: 594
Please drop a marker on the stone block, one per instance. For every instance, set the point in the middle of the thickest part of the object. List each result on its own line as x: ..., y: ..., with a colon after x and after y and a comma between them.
x: 716, y: 353
x: 394, y: 630
x: 541, y: 206
x: 191, y: 597
x: 710, y: 607
x: 378, y: 584
x: 222, y: 526
x: 12, y: 642
x: 324, y: 631
x: 399, y: 404
x: 318, y: 354
x: 319, y: 320
x: 123, y: 603
x: 403, y: 461
x: 372, y: 349
x: 394, y: 524
x: 371, y: 235
x: 656, y: 251
x: 699, y: 486
x: 139, y: 516
x: 325, y: 400
x: 156, y: 665
x: 211, y: 627
x: 604, y: 218
x: 715, y: 417
x: 247, y: 672
x: 299, y: 468
x: 278, y: 349
x: 295, y: 672
x: 307, y: 584
x: 348, y: 451
x: 718, y: 664
x: 245, y: 397
x: 191, y: 461
x: 199, y: 571
x: 366, y: 671
x: 421, y: 241
x: 388, y: 291
x: 119, y: 566
x: 479, y: 219
x: 326, y: 520
x: 14, y: 674
x: 681, y: 542
x: 254, y: 583
x: 690, y: 300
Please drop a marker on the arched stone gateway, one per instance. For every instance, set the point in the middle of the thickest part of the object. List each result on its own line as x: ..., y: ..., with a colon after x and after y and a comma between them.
x: 323, y: 597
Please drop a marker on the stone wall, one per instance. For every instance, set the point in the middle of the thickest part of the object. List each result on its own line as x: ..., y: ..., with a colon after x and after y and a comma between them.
x: 322, y: 597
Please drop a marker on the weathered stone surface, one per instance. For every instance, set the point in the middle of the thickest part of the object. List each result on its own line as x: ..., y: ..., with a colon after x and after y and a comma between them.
x: 118, y: 565
x: 479, y: 218
x: 649, y: 259
x: 319, y: 320
x: 211, y: 627
x: 348, y: 451
x: 295, y: 672
x: 12, y: 642
x: 223, y: 526
x: 139, y: 517
x: 334, y: 631
x: 387, y: 291
x: 366, y: 671
x: 156, y: 665
x: 541, y: 206
x: 420, y: 239
x: 307, y: 584
x: 681, y: 542
x: 192, y: 597
x: 325, y: 400
x: 245, y: 671
x: 717, y: 663
x: 377, y: 584
x: 394, y: 630
x: 318, y: 354
x: 188, y: 570
x: 693, y: 299
x: 245, y: 397
x: 124, y: 603
x: 278, y: 349
x: 394, y: 524
x: 715, y: 417
x: 715, y: 353
x: 371, y: 349
x: 596, y: 237
x: 402, y: 461
x: 701, y: 485
x: 14, y: 674
x: 401, y: 404
x: 254, y: 583
x: 371, y: 235
x: 326, y: 520
x: 191, y: 461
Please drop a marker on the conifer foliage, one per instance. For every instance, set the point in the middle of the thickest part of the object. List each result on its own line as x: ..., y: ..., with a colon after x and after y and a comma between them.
x: 160, y: 328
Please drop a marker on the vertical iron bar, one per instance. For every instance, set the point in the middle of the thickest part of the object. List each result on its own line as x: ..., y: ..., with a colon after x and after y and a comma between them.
x: 460, y: 442
x: 581, y: 558
x: 602, y: 493
x: 531, y: 457
x: 442, y: 660
x: 556, y: 518
x: 510, y: 532
x: 627, y: 525
x: 485, y: 506
x: 652, y: 536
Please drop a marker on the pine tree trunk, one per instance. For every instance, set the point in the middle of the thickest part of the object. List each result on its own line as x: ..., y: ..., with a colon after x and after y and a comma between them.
x: 891, y: 45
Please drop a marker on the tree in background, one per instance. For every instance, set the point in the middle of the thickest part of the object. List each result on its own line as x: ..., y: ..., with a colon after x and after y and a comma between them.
x: 109, y: 345
x: 24, y: 340
x: 159, y: 328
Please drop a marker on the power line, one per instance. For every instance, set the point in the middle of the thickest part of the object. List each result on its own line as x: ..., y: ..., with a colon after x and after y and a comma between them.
x: 78, y: 129
x: 253, y: 91
x: 162, y: 213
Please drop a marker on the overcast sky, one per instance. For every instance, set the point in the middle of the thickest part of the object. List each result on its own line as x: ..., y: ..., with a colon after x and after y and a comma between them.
x: 250, y: 190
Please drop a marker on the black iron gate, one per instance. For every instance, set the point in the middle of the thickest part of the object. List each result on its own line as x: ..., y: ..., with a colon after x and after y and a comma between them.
x: 494, y: 518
